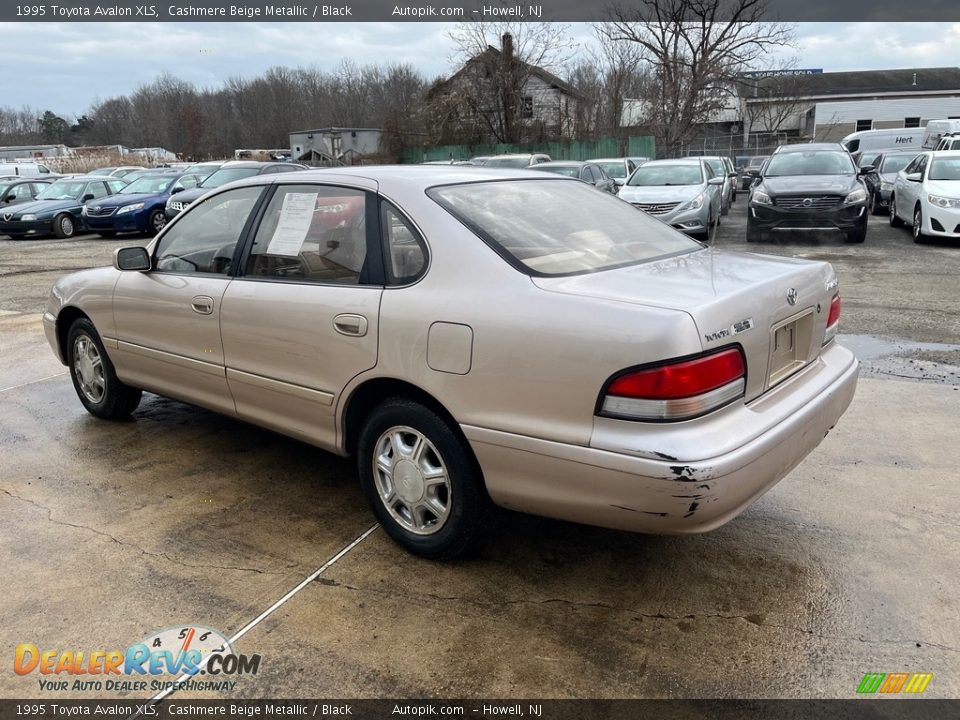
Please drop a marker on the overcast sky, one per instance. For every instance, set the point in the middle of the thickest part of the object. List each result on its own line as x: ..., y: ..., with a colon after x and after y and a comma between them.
x: 66, y: 67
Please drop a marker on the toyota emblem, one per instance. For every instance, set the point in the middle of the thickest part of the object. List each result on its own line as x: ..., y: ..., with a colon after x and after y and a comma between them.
x: 807, y: 202
x: 792, y: 296
x: 96, y: 208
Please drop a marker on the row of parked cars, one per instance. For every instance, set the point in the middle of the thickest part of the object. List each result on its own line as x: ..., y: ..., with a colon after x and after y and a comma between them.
x: 113, y: 200
x: 823, y: 188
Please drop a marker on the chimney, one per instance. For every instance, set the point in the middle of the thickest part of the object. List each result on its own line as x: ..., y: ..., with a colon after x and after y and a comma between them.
x: 506, y: 45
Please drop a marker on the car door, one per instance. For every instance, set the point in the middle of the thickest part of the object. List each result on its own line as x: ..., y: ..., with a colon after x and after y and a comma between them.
x: 19, y: 193
x: 303, y: 318
x: 168, y: 319
x: 911, y: 190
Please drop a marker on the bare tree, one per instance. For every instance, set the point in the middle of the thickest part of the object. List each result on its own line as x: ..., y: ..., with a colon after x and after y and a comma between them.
x: 695, y: 49
x: 487, y: 95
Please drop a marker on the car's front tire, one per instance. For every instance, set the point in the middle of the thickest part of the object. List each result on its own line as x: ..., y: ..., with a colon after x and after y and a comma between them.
x: 917, y: 230
x: 156, y: 222
x: 858, y: 235
x: 754, y: 235
x: 421, y: 479
x: 895, y: 220
x: 64, y: 226
x: 94, y: 378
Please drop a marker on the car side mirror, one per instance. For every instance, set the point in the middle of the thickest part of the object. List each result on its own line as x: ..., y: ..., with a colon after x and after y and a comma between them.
x: 866, y: 170
x: 88, y: 196
x: 131, y: 258
x: 176, y: 190
x: 10, y: 198
x: 715, y: 181
x: 732, y: 174
x: 914, y: 177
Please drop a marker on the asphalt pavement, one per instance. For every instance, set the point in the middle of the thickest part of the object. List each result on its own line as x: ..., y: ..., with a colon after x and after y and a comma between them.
x: 113, y: 531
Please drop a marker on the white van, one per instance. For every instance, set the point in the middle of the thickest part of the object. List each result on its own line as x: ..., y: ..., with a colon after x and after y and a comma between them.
x: 24, y: 169
x: 936, y: 129
x: 870, y: 141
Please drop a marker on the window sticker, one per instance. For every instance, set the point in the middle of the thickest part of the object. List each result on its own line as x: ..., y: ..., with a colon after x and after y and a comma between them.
x: 296, y: 216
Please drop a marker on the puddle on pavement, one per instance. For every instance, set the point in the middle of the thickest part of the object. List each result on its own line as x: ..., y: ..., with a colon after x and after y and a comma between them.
x: 897, y: 358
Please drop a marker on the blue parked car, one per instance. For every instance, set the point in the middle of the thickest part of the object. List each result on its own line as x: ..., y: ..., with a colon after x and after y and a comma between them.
x: 139, y: 207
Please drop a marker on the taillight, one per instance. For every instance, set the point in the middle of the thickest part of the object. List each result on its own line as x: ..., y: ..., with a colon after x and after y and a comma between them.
x: 677, y: 390
x: 833, y: 319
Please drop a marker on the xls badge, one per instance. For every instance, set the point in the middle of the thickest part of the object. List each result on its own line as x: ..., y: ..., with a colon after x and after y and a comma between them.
x: 735, y: 329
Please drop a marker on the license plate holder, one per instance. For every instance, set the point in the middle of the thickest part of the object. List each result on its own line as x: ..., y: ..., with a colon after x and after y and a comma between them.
x: 789, y: 346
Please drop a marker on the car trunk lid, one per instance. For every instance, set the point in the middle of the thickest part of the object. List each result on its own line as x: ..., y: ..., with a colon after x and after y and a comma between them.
x: 776, y: 308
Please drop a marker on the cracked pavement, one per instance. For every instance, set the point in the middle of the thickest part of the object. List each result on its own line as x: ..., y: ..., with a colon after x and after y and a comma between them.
x: 112, y: 531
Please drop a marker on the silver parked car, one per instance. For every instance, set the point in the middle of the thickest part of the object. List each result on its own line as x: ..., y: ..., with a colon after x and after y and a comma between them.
x: 473, y: 336
x: 720, y: 168
x: 617, y: 168
x: 588, y: 172
x: 683, y: 193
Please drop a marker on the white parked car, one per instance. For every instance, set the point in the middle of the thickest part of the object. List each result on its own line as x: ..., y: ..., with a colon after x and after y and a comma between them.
x: 926, y: 194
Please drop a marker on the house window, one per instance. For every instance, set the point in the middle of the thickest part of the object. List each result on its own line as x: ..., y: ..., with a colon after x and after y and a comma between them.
x: 911, y: 122
x: 864, y: 125
x: 527, y: 110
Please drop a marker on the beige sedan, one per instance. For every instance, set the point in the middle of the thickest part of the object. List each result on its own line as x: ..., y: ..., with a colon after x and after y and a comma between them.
x: 473, y: 337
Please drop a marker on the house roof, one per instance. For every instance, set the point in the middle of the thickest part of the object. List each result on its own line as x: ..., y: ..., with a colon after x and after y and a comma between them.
x: 492, y: 54
x: 858, y: 82
x: 335, y: 130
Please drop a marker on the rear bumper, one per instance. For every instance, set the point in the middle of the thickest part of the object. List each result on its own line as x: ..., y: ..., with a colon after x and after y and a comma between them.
x: 647, y: 494
x: 766, y: 217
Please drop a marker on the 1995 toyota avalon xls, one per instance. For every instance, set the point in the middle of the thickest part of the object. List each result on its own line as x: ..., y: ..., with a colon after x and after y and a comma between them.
x: 473, y: 335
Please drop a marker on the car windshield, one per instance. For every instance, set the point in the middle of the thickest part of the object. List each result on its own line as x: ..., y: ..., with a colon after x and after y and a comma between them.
x: 650, y: 175
x: 815, y: 162
x: 568, y: 170
x: 895, y: 163
x: 558, y: 228
x: 509, y: 162
x: 944, y: 169
x: 149, y: 184
x: 62, y: 191
x: 614, y: 169
x: 222, y: 177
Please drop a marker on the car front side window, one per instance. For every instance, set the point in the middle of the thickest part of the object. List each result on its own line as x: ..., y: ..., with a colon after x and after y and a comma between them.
x: 205, y: 239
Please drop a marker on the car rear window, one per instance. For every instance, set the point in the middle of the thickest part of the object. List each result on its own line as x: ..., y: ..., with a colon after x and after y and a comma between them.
x: 558, y: 227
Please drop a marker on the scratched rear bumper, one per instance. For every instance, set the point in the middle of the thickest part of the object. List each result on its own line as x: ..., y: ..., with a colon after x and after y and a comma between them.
x: 649, y: 480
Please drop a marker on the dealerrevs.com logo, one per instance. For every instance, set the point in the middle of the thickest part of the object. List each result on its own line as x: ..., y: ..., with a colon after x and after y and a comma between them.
x: 186, y: 652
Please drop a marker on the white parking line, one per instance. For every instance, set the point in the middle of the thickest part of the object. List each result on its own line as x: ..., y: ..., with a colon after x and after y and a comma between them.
x: 270, y: 610
x: 33, y: 382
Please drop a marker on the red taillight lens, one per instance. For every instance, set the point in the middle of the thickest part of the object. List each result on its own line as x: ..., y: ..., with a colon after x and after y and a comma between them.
x: 677, y: 391
x: 834, y: 315
x: 833, y: 320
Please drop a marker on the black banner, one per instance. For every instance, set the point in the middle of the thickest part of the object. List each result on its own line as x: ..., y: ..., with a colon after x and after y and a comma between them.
x: 186, y: 709
x: 445, y: 11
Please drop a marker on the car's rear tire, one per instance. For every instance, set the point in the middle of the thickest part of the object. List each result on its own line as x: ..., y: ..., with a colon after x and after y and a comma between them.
x: 64, y: 226
x: 94, y: 378
x: 421, y: 480
x: 917, y: 230
x: 895, y: 221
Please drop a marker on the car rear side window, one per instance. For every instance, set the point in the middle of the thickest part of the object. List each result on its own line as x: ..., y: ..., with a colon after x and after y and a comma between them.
x: 559, y: 227
x: 405, y: 249
x: 312, y: 233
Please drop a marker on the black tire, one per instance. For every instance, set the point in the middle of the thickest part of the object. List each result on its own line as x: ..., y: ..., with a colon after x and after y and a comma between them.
x: 917, y: 229
x: 875, y: 208
x: 467, y: 503
x: 892, y: 215
x: 64, y: 226
x: 754, y: 235
x: 117, y: 400
x: 734, y: 198
x: 156, y: 222
x: 858, y: 235
x: 108, y: 234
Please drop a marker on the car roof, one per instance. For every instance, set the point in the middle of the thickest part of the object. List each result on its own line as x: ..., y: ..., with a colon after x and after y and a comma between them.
x: 675, y: 161
x: 564, y: 163
x: 611, y: 159
x: 945, y: 153
x: 250, y: 163
x: 811, y: 147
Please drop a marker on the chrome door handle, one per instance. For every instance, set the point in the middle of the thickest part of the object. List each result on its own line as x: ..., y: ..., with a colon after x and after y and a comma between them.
x: 202, y: 304
x: 350, y: 324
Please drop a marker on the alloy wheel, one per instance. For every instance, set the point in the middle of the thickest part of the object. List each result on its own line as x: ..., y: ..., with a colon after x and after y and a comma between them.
x: 88, y: 367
